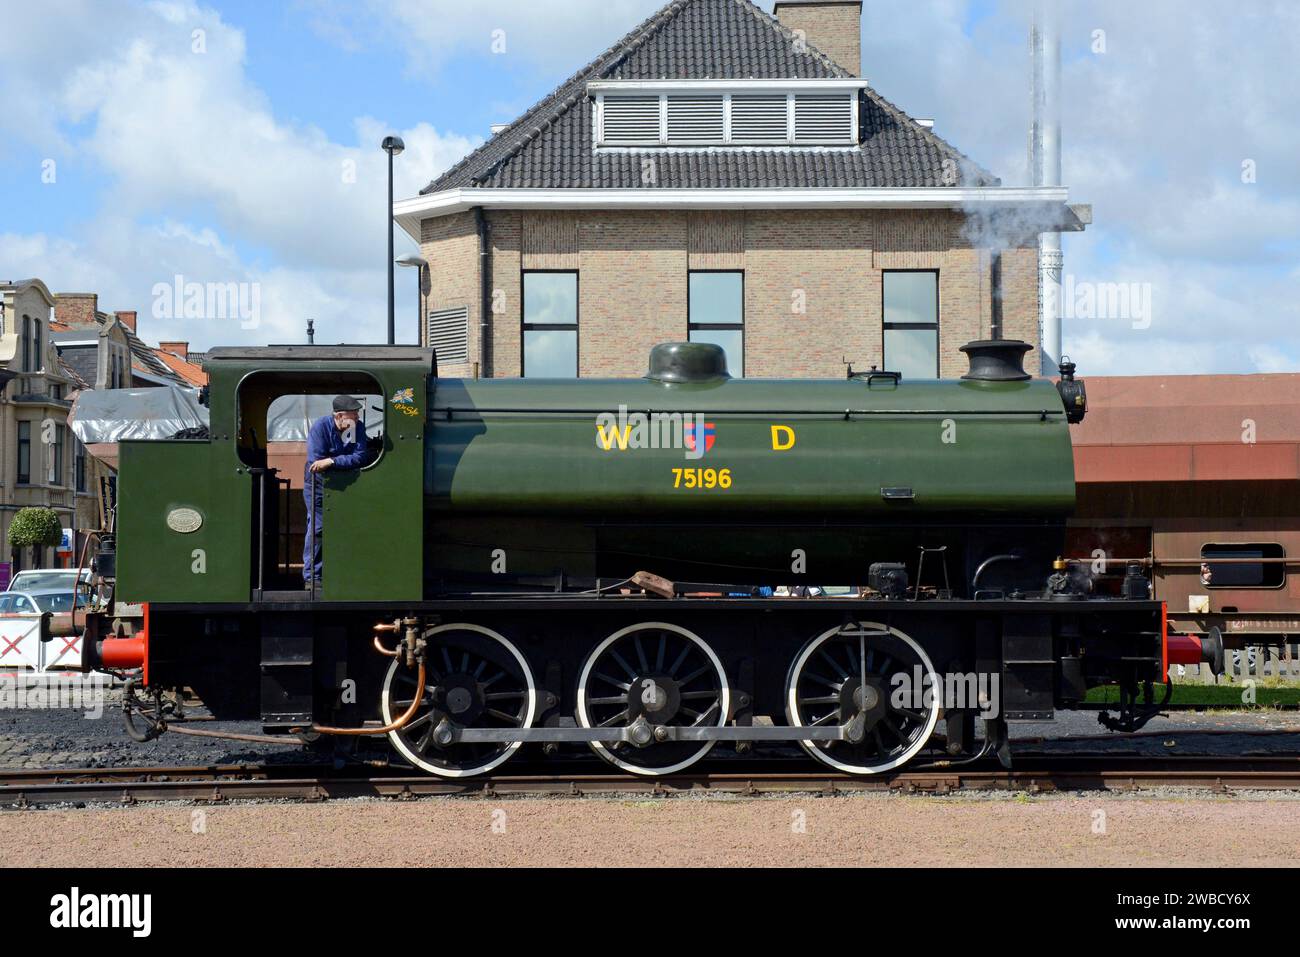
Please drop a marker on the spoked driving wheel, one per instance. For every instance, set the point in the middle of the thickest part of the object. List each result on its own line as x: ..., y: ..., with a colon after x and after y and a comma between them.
x: 825, y: 688
x: 653, y: 674
x: 475, y: 679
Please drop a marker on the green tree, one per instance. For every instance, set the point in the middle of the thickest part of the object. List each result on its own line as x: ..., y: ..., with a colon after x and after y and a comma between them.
x: 34, y: 528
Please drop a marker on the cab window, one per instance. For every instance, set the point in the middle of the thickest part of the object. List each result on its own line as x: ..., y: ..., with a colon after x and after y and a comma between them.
x: 1230, y: 565
x: 276, y: 410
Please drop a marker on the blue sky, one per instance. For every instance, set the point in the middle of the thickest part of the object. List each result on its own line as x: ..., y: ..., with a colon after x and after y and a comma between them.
x: 230, y: 163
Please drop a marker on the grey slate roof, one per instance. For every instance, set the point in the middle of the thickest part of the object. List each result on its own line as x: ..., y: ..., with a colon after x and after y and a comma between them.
x: 78, y: 380
x: 550, y: 146
x: 81, y: 361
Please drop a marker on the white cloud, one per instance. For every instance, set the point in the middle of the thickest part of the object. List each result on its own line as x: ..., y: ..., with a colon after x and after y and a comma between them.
x: 559, y: 35
x: 207, y: 183
x: 1270, y: 359
x: 1155, y: 132
x: 186, y: 131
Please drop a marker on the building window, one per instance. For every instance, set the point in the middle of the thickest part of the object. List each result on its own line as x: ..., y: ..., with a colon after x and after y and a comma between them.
x: 911, y: 314
x: 716, y: 307
x: 1239, y: 572
x: 79, y: 467
x: 38, y: 360
x: 550, y: 325
x: 56, y: 455
x: 24, y: 453
x: 27, y: 343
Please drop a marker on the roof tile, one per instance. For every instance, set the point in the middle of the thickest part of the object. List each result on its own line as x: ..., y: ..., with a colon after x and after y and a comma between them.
x: 549, y: 147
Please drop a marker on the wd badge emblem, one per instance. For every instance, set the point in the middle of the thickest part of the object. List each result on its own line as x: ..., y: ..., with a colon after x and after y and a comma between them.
x: 710, y: 436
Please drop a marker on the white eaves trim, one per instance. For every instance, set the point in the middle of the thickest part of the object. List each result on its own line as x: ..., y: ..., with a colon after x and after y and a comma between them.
x: 597, y: 87
x: 409, y: 213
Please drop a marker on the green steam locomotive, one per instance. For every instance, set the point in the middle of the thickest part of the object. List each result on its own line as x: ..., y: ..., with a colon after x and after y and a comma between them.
x: 661, y: 570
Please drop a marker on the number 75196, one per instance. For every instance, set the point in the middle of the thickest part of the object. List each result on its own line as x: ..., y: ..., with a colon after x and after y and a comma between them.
x: 702, y: 478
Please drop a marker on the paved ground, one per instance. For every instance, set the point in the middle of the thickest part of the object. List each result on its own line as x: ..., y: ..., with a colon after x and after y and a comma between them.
x: 868, y: 830
x: 845, y: 831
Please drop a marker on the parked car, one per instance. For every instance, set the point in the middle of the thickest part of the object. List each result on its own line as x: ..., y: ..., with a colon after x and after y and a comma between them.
x: 47, y: 579
x: 21, y: 629
x: 57, y: 601
x: 17, y: 603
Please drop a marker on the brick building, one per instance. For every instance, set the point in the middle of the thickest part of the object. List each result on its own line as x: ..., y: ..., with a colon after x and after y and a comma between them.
x: 726, y: 176
x: 41, y: 463
x: 51, y: 347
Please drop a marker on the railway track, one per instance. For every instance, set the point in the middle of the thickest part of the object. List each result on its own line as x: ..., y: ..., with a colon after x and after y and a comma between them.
x: 309, y: 783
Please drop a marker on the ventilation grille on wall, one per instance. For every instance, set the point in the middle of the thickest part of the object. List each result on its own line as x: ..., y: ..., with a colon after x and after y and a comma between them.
x: 728, y: 119
x: 449, y: 334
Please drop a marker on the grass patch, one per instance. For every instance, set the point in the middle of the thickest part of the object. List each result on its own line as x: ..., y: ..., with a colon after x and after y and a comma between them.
x: 1210, y: 696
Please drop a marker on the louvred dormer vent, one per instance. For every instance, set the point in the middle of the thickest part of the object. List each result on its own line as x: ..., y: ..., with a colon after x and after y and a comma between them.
x: 709, y: 113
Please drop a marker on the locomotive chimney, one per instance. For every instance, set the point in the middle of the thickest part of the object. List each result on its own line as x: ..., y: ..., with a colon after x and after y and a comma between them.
x: 997, y: 360
x: 688, y: 362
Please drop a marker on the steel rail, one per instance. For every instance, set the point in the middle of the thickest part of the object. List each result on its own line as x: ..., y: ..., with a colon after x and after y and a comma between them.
x: 311, y: 783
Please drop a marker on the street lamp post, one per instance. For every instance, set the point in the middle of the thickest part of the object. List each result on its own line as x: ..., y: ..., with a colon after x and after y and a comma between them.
x: 393, y: 146
x: 420, y: 265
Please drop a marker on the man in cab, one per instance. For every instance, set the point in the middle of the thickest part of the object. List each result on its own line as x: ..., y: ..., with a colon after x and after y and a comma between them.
x: 336, y: 442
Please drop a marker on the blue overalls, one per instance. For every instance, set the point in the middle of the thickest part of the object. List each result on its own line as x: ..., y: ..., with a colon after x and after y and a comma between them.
x: 325, y: 441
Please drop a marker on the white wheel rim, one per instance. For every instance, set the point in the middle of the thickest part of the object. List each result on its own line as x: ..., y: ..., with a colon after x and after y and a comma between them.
x: 792, y: 704
x: 724, y: 710
x: 413, y: 756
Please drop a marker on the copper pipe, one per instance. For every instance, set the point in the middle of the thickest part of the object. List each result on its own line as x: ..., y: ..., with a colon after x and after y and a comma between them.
x: 1109, y: 561
x: 1188, y: 562
x: 76, y: 584
x: 397, y: 725
x: 384, y: 628
x: 1195, y: 562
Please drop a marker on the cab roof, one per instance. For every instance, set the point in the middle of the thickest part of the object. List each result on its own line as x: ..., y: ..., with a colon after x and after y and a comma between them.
x: 339, y: 353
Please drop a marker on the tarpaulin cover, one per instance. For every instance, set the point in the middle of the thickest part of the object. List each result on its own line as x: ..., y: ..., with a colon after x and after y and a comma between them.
x: 290, y: 417
x: 117, y: 415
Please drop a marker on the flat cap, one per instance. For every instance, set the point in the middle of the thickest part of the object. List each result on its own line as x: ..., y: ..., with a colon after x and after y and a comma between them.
x: 346, y: 403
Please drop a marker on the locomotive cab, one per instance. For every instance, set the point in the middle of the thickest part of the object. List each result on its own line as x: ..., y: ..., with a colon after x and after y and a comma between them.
x: 221, y: 518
